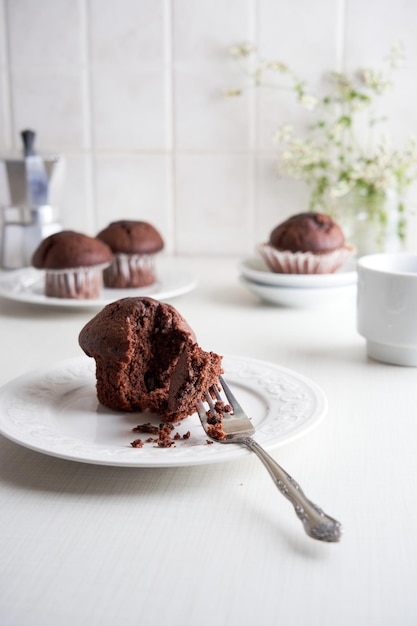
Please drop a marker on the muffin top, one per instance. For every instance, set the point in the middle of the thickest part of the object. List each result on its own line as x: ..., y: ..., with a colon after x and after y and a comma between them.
x: 69, y: 249
x: 111, y: 332
x: 131, y: 237
x: 308, y: 232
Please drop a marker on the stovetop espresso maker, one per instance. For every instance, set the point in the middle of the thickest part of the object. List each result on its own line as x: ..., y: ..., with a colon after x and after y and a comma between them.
x: 30, y: 193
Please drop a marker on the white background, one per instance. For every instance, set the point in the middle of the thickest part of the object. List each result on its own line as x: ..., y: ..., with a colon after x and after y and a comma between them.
x: 131, y: 93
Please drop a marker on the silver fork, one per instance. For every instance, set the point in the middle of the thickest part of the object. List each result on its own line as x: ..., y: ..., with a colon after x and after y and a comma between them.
x: 230, y: 424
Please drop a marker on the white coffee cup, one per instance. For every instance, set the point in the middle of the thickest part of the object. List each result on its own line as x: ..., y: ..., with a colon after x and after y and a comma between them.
x: 387, y: 307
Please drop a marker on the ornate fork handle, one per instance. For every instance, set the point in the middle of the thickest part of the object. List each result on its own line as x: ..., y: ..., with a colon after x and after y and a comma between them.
x: 316, y: 523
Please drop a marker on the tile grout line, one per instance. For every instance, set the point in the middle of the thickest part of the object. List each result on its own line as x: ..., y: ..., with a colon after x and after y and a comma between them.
x: 253, y: 31
x: 90, y: 166
x: 170, y: 120
x: 341, y: 36
x: 7, y: 99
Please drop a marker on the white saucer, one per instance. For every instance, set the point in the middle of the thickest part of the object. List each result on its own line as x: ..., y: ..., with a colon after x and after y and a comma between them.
x: 27, y: 285
x: 55, y: 411
x: 301, y: 298
x: 256, y: 270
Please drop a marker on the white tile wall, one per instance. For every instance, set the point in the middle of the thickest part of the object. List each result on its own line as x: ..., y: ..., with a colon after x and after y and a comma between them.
x: 131, y: 93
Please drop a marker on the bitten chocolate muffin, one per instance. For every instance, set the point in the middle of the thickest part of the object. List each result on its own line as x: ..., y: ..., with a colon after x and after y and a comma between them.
x: 147, y: 358
x: 73, y: 264
x: 134, y: 245
x: 306, y: 243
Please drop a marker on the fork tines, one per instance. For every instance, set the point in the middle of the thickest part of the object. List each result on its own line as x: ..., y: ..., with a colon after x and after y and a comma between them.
x: 215, y: 413
x: 223, y: 420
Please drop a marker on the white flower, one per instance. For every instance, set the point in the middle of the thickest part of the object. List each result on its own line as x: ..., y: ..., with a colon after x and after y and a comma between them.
x: 341, y: 188
x: 396, y: 57
x: 375, y: 80
x: 243, y: 49
x: 284, y: 134
x: 276, y: 66
x: 340, y: 79
x: 345, y: 148
x: 360, y: 105
x: 232, y: 93
x: 308, y: 101
x: 336, y: 132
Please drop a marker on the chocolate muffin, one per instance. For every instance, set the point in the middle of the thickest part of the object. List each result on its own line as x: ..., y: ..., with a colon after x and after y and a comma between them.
x: 147, y: 358
x: 73, y: 264
x: 308, y: 232
x: 134, y: 245
x: 306, y: 243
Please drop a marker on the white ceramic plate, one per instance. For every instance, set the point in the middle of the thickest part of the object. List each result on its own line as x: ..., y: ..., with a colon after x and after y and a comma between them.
x: 256, y: 270
x: 55, y: 411
x: 302, y: 298
x: 26, y: 285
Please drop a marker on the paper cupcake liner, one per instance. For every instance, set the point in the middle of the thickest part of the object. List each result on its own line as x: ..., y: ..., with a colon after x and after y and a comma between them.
x: 130, y: 271
x: 81, y: 283
x: 286, y: 262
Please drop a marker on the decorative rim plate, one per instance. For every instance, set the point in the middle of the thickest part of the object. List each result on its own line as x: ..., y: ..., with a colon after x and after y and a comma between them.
x: 301, y: 298
x: 255, y: 269
x: 26, y: 285
x: 55, y: 411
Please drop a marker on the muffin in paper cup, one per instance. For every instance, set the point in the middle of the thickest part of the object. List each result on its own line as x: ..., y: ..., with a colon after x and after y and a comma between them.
x: 73, y: 264
x: 306, y: 243
x: 134, y: 244
x: 130, y: 270
x: 287, y: 262
x: 81, y: 283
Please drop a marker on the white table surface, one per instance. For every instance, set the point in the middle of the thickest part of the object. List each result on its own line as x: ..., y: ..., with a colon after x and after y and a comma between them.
x: 218, y: 544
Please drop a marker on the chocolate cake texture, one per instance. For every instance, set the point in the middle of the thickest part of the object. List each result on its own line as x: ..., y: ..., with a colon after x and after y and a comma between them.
x: 148, y: 359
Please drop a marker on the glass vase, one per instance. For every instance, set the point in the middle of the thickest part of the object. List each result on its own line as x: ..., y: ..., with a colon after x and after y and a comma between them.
x: 373, y: 221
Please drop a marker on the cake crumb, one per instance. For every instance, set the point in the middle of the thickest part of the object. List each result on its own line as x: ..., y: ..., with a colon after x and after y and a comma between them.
x: 215, y: 420
x: 165, y: 437
x: 216, y: 431
x: 146, y: 428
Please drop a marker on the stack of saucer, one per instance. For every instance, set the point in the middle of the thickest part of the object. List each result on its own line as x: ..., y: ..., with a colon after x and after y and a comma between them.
x: 299, y: 290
